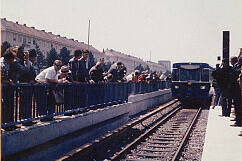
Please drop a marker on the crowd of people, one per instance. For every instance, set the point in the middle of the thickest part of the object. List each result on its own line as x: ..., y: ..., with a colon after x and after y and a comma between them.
x: 227, y: 85
x: 18, y: 66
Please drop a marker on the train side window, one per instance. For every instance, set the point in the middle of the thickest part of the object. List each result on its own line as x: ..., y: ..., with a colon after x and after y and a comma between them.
x: 205, y: 75
x: 175, y: 75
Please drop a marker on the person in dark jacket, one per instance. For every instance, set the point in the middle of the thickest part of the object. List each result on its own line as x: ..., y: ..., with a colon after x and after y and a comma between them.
x: 16, y: 70
x: 74, y: 65
x: 83, y: 70
x: 217, y: 90
x: 96, y: 73
x: 16, y: 73
x: 118, y: 70
x: 29, y: 77
x: 223, y: 77
x: 235, y: 94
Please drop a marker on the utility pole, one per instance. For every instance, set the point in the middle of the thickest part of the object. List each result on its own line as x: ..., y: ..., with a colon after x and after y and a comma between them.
x: 150, y: 56
x: 88, y: 41
x: 88, y: 34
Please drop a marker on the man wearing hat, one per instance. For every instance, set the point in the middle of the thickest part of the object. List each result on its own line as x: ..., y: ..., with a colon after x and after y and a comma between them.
x: 65, y: 75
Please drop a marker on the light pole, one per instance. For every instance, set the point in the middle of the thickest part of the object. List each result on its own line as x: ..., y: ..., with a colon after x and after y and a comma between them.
x: 88, y: 34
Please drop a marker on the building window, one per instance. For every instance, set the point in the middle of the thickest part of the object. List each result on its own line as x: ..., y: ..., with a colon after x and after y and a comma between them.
x: 39, y: 42
x: 24, y: 40
x: 29, y: 40
x: 19, y: 38
x: 34, y: 42
x: 51, y: 45
x: 14, y: 37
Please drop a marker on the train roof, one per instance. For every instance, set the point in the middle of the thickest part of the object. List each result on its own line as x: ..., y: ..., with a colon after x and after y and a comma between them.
x: 202, y: 65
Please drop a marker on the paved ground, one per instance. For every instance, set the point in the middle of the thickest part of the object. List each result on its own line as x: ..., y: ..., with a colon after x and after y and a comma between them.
x: 222, y: 142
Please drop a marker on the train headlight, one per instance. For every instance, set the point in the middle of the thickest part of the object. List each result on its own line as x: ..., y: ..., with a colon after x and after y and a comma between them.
x: 202, y: 87
x: 176, y: 87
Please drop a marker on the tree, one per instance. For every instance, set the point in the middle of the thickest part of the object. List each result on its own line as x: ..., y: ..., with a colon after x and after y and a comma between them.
x: 147, y: 68
x: 65, y: 56
x: 91, y: 61
x: 167, y: 73
x: 41, y: 62
x: 106, y: 66
x: 51, y: 57
x: 139, y: 67
x: 4, y: 47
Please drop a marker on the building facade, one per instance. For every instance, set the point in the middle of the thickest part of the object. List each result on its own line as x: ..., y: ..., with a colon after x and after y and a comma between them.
x: 17, y: 35
x: 20, y: 34
x: 132, y: 62
x: 166, y: 64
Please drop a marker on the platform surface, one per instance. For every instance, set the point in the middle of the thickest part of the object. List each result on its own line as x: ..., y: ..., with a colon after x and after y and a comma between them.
x: 222, y: 142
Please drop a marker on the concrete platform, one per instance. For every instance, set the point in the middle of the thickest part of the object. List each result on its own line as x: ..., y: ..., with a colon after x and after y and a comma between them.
x: 222, y: 142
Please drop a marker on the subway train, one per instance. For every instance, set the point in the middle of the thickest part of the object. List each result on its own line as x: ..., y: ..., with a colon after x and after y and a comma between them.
x: 191, y: 83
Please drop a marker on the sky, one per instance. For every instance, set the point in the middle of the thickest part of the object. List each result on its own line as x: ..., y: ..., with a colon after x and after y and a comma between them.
x: 175, y: 30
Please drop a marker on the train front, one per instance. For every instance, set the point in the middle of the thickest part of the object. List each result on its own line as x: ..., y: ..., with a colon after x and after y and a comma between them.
x: 191, y: 82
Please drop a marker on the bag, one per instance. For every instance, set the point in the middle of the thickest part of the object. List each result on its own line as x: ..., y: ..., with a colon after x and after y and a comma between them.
x: 58, y: 96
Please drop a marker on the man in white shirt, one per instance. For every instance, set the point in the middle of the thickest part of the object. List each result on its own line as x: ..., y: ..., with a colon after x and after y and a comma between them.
x: 50, y: 75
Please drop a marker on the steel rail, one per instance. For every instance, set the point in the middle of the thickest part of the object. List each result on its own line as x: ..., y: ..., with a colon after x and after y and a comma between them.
x: 186, y: 136
x: 89, y: 146
x: 120, y: 154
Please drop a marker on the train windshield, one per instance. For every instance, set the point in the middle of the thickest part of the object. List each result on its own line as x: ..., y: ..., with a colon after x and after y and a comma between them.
x: 205, y: 75
x: 187, y: 75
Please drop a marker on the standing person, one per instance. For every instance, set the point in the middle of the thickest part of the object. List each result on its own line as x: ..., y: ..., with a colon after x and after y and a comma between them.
x: 236, y: 89
x: 216, y: 89
x: 135, y: 76
x: 114, y: 70
x: 74, y: 65
x: 20, y: 55
x: 49, y: 75
x: 96, y: 73
x: 142, y: 77
x: 240, y: 83
x: 7, y: 100
x: 162, y: 77
x: 5, y: 68
x: 16, y: 71
x: 117, y: 71
x: 222, y: 75
x: 65, y: 75
x: 121, y: 73
x: 25, y: 107
x: 83, y: 70
x: 31, y: 58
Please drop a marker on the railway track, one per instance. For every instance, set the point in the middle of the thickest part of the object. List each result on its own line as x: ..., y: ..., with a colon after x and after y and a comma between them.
x: 107, y: 146
x: 162, y: 142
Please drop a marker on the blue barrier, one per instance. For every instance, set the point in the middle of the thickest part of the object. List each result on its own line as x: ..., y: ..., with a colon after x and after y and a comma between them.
x: 144, y: 87
x: 23, y: 103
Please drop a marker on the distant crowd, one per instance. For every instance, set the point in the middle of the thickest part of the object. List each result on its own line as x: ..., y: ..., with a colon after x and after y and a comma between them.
x: 227, y: 85
x: 19, y: 66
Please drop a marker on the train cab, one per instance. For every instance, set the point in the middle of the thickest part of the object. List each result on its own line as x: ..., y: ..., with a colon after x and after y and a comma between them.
x: 191, y: 82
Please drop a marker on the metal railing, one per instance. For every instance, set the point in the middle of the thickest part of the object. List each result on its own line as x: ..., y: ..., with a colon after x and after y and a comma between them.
x: 23, y: 103
x: 144, y: 87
